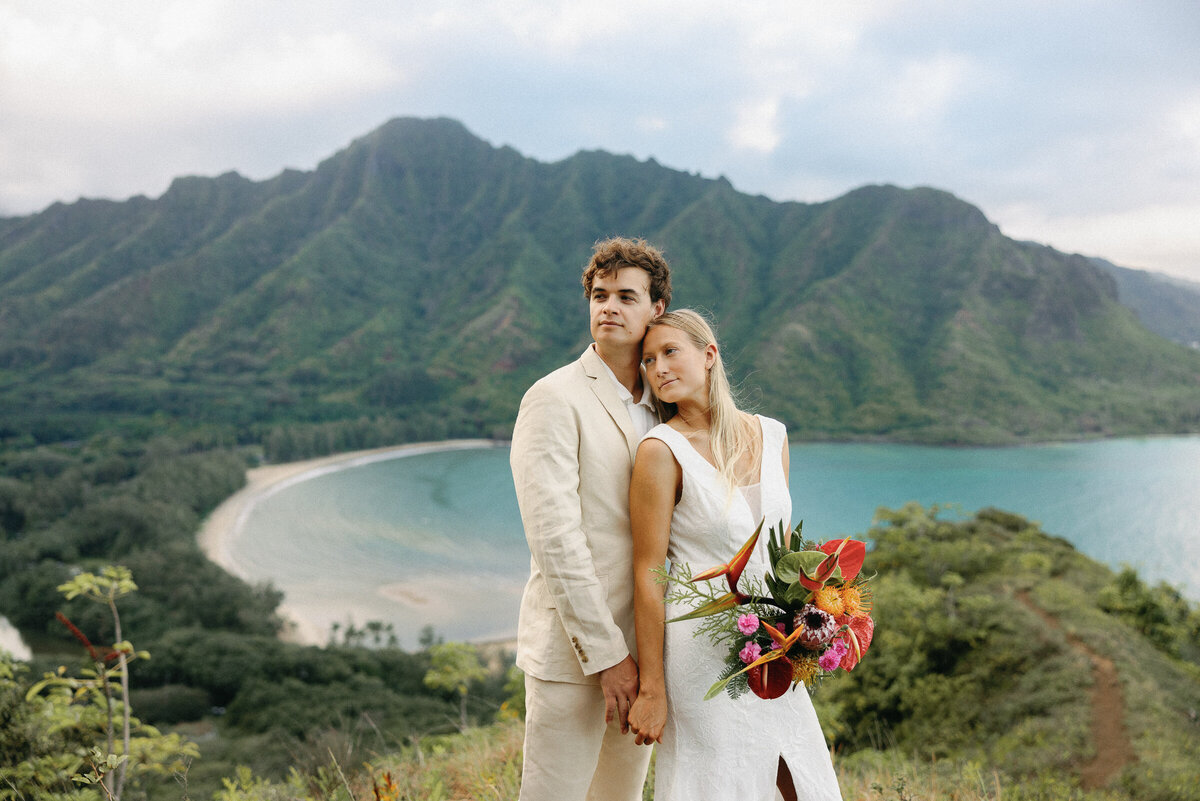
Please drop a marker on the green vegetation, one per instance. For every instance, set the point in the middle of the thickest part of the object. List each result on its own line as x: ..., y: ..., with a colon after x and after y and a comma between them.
x: 417, y: 282
x: 982, y: 656
x: 219, y: 675
x: 76, y: 736
x: 983, y: 682
x: 1168, y: 306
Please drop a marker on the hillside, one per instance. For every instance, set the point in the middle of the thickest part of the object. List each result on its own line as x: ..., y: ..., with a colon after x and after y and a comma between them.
x: 421, y: 268
x: 1170, y: 307
x: 1004, y: 665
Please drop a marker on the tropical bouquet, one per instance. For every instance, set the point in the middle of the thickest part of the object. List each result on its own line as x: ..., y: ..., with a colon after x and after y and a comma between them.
x: 809, y: 616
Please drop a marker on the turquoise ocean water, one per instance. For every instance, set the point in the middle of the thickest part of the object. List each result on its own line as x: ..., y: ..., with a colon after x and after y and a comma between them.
x: 435, y: 539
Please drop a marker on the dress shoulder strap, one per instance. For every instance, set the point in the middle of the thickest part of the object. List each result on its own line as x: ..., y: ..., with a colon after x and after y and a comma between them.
x: 685, y: 454
x: 774, y: 437
x: 774, y: 434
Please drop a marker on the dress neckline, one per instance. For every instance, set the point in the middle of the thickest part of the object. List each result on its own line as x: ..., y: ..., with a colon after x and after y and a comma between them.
x: 762, y: 435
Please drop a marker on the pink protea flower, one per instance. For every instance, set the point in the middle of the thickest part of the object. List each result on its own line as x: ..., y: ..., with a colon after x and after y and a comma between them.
x: 819, y: 626
x: 750, y: 651
x: 833, y: 656
x: 747, y: 624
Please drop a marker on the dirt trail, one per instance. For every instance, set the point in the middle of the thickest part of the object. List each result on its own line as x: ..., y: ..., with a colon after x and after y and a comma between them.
x: 1113, y: 749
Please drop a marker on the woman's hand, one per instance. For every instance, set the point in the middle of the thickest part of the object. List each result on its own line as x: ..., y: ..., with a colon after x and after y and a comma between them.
x: 647, y: 717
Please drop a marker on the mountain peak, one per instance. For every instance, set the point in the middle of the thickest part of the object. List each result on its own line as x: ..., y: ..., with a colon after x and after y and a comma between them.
x: 422, y: 268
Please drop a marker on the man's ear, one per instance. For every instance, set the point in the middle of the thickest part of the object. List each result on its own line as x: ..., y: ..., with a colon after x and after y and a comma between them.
x: 660, y: 306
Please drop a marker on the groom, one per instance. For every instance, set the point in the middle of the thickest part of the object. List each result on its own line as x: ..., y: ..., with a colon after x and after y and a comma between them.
x: 572, y: 452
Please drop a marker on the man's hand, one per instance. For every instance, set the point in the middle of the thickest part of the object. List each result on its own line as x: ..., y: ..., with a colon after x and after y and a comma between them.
x: 620, y: 685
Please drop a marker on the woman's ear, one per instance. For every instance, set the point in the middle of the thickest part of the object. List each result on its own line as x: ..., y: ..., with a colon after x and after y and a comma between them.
x: 710, y: 356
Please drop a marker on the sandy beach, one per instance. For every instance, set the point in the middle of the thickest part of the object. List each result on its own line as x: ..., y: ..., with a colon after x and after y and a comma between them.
x: 226, y: 523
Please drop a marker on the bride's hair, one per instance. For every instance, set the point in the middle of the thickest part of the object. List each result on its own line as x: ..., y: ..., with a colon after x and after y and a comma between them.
x: 730, y: 434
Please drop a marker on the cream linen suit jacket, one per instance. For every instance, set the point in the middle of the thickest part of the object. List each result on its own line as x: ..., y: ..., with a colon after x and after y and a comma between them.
x: 572, y: 453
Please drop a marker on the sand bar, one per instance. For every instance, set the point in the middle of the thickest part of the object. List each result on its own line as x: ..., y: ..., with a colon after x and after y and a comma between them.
x: 226, y: 524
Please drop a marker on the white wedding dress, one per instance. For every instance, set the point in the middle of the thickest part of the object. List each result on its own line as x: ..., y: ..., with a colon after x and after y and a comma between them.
x: 725, y: 748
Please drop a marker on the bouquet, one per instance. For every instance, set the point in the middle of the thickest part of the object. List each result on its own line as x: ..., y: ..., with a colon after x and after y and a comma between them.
x: 809, y: 616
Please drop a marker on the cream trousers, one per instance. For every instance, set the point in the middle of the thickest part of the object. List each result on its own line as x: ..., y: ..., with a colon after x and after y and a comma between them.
x: 570, y: 753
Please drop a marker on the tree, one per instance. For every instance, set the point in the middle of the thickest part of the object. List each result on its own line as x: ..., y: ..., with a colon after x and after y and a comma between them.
x: 68, y: 724
x: 455, y: 666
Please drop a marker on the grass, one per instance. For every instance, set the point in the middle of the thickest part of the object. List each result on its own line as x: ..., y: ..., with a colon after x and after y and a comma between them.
x: 484, y: 764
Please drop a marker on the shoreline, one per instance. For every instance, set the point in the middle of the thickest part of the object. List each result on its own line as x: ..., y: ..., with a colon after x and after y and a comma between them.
x: 224, y: 525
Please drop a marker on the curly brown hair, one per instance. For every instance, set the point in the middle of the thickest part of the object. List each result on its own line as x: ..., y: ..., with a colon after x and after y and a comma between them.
x: 610, y: 255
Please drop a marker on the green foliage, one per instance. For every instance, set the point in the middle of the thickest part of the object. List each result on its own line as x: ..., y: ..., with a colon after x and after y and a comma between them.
x: 964, y: 665
x: 454, y: 667
x: 1160, y: 613
x: 72, y: 512
x: 74, y: 736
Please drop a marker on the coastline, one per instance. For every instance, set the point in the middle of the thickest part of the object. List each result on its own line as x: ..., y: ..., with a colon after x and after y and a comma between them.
x: 225, y: 524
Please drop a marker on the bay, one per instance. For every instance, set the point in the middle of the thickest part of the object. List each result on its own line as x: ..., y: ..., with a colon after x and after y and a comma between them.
x: 435, y: 539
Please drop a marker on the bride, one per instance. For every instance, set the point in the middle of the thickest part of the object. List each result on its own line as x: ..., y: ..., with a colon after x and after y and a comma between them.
x: 701, y: 483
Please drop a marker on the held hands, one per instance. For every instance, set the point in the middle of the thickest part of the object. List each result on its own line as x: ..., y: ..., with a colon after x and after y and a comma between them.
x: 620, y: 686
x: 648, y: 716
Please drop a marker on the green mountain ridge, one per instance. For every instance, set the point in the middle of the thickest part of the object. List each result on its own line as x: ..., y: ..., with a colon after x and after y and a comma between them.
x: 1168, y: 306
x: 421, y: 268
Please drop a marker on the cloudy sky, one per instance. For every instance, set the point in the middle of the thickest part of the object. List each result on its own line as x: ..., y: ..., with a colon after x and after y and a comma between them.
x: 1071, y: 122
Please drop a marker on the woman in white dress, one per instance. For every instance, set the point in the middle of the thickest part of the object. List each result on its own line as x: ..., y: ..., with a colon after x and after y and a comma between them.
x: 701, y: 483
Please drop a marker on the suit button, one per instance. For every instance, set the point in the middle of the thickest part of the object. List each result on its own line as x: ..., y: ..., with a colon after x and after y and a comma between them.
x: 583, y: 658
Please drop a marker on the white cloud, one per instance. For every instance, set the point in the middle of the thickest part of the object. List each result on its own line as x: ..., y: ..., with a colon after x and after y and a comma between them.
x: 924, y: 89
x: 1163, y: 237
x: 757, y: 126
x: 1072, y: 122
x: 177, y: 62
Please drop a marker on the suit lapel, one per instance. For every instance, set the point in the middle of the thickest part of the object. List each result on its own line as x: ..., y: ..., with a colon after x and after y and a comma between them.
x: 602, y: 385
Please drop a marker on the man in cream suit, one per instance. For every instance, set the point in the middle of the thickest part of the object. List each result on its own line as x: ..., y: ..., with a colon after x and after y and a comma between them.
x: 572, y: 452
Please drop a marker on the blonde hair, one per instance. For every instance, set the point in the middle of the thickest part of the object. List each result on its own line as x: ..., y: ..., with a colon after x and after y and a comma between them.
x: 730, y: 436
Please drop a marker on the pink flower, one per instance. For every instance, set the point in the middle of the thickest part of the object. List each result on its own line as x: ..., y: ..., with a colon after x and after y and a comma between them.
x: 832, y: 656
x: 750, y: 652
x: 747, y: 624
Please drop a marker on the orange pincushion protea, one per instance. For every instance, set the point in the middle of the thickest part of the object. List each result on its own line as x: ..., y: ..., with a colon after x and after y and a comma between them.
x: 828, y: 599
x: 804, y: 670
x: 855, y: 603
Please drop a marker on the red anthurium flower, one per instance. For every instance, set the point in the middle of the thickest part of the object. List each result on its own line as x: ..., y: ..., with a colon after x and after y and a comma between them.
x: 770, y: 679
x: 769, y: 656
x: 850, y: 555
x: 862, y: 631
x: 732, y: 570
x: 846, y: 554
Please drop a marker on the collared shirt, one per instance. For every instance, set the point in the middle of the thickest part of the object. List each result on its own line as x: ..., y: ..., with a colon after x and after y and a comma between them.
x: 642, y: 412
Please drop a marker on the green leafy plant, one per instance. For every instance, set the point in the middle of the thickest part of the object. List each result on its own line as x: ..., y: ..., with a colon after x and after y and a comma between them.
x: 455, y: 667
x: 72, y: 722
